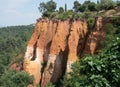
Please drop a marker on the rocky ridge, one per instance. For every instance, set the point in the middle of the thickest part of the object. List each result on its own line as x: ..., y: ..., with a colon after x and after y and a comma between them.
x: 56, y: 44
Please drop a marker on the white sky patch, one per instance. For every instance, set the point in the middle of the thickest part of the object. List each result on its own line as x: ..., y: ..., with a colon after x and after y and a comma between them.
x: 12, y: 4
x: 18, y: 12
x: 16, y: 3
x: 11, y: 11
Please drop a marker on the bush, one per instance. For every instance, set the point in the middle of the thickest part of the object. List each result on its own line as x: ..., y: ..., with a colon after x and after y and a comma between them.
x: 49, y: 84
x: 101, y: 70
x: 15, y: 79
x: 91, y: 22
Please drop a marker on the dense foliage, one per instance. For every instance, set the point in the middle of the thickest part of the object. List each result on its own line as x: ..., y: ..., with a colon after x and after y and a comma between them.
x: 13, y: 41
x: 49, y: 10
x: 15, y: 79
x: 101, y: 70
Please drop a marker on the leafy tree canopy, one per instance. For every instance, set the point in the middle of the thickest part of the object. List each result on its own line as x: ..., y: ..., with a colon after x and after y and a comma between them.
x: 47, y: 8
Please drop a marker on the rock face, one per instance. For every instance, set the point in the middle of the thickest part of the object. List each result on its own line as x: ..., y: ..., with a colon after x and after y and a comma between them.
x: 55, y: 45
x: 37, y: 48
x: 94, y: 38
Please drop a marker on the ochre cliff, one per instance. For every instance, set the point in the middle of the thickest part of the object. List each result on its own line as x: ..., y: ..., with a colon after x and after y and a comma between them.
x: 55, y: 45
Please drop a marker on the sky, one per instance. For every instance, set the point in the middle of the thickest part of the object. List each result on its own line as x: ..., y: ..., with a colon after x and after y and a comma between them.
x: 25, y: 12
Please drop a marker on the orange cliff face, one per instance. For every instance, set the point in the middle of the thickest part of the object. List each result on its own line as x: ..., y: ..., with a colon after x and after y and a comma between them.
x: 58, y: 43
x: 53, y: 70
x: 95, y: 37
x: 78, y: 32
x: 36, y: 48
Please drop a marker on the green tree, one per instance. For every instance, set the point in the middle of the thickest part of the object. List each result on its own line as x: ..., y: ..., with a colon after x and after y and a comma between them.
x: 15, y: 79
x: 50, y: 6
x: 107, y: 4
x: 98, y: 5
x: 92, y: 6
x: 84, y: 6
x: 12, y: 46
x: 76, y: 6
x: 65, y: 7
x: 42, y: 7
x: 61, y: 10
x: 118, y: 3
x: 47, y: 8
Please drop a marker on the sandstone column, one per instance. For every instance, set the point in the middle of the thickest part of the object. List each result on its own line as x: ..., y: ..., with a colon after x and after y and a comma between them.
x: 33, y: 66
x: 94, y: 37
x: 53, y: 69
x: 75, y: 35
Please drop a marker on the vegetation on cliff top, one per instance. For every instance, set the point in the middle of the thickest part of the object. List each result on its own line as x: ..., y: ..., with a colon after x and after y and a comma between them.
x: 88, y: 8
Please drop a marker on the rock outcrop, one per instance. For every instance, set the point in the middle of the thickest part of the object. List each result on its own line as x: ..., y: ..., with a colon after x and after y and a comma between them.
x: 55, y: 45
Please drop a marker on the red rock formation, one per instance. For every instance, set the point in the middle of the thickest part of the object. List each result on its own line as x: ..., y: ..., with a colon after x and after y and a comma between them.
x: 78, y: 31
x: 96, y: 36
x: 36, y: 48
x: 58, y: 43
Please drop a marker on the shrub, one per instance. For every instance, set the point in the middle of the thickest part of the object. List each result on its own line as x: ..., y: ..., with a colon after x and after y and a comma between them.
x: 15, y: 79
x: 101, y: 70
x: 91, y: 22
x: 49, y: 84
